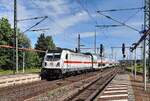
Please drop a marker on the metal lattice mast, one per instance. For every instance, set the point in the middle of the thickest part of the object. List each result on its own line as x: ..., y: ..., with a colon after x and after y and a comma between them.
x: 149, y: 42
x: 145, y: 45
x: 16, y: 33
x: 146, y: 27
x: 147, y: 15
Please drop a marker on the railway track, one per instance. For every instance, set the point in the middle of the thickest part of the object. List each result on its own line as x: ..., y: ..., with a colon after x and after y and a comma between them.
x: 25, y: 91
x: 90, y: 92
x: 81, y: 90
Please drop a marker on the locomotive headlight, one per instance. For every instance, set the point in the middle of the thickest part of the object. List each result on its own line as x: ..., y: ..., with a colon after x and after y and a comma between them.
x: 58, y: 64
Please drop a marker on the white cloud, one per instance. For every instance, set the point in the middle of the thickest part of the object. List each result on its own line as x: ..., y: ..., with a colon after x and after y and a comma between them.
x: 6, y: 10
x: 62, y: 24
x: 52, y: 8
x: 7, y: 4
x: 87, y: 34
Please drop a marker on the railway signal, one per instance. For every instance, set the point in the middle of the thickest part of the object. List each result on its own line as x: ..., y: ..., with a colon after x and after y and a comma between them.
x: 101, y: 49
x: 123, y: 50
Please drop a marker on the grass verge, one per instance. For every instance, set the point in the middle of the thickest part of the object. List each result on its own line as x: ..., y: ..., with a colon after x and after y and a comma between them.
x: 29, y: 70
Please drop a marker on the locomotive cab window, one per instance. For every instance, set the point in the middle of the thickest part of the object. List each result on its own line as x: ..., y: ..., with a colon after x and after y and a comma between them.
x: 53, y: 57
x: 49, y: 57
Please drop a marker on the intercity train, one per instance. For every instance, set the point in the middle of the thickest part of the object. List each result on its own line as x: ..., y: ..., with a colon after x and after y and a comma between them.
x: 58, y: 63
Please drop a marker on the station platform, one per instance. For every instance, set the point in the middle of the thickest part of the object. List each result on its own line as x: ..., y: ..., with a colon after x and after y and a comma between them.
x: 10, y: 80
x: 119, y: 89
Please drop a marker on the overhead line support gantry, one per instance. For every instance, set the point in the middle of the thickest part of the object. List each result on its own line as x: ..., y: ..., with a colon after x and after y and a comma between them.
x: 146, y: 43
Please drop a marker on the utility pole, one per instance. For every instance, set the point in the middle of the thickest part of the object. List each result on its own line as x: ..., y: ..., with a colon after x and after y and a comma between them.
x: 112, y: 52
x: 135, y: 64
x: 146, y: 27
x: 23, y: 61
x: 149, y: 42
x: 78, y: 43
x: 95, y: 42
x: 132, y: 63
x: 16, y: 33
x: 144, y: 64
x: 115, y: 56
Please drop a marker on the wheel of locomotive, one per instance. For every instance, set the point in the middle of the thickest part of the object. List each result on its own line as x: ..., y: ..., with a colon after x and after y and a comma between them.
x: 43, y: 74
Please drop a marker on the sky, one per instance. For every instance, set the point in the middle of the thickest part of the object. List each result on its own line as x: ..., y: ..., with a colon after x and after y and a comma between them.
x: 68, y: 18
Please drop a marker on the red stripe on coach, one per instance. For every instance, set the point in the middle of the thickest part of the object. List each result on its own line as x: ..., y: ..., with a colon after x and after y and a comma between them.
x: 71, y: 62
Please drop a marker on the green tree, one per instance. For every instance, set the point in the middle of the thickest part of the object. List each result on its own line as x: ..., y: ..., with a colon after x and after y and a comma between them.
x: 23, y: 41
x: 7, y: 38
x: 32, y: 59
x: 6, y: 33
x: 49, y: 43
x: 44, y: 43
x: 40, y: 45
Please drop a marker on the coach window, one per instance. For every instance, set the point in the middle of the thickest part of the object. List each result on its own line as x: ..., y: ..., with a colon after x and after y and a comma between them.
x: 66, y: 56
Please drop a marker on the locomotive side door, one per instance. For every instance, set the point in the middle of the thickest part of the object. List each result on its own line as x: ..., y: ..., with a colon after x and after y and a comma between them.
x: 66, y: 57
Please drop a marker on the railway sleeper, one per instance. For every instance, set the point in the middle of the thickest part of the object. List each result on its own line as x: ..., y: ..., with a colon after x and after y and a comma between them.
x: 108, y: 77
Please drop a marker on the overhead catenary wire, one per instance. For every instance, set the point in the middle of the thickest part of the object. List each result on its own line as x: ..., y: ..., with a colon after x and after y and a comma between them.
x: 123, y: 23
x: 34, y: 18
x: 96, y: 9
x: 35, y: 24
x: 131, y: 16
x: 125, y: 9
x: 51, y: 19
x: 79, y: 2
x: 36, y: 30
x: 118, y: 21
x: 106, y: 26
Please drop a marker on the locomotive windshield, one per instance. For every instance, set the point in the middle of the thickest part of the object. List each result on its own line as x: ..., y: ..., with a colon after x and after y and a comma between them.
x: 53, y: 57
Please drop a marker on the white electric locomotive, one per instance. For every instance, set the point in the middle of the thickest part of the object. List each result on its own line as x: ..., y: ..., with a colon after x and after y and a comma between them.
x: 59, y: 62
